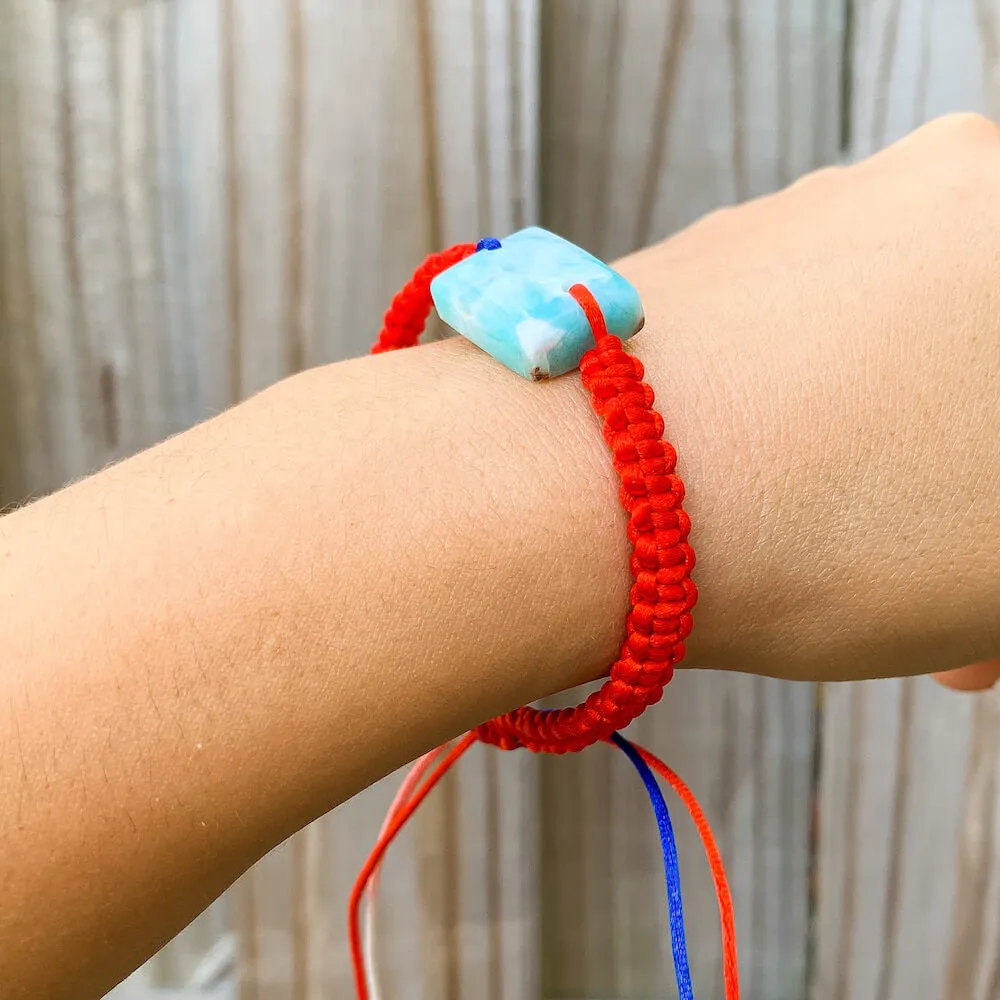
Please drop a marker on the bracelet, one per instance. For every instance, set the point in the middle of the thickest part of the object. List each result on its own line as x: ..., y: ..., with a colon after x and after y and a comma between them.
x: 663, y: 594
x: 543, y: 307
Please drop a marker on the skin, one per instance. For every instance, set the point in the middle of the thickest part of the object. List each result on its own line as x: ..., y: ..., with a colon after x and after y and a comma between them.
x: 211, y: 644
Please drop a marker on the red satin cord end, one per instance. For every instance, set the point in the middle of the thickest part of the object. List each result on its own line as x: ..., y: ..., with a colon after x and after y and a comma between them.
x: 398, y: 817
x: 727, y: 915
x: 394, y: 825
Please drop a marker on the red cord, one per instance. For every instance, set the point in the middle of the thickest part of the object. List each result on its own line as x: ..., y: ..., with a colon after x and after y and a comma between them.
x: 406, y: 810
x: 651, y: 493
x: 403, y: 794
x: 661, y: 598
x: 727, y: 918
x: 407, y: 314
x: 398, y: 816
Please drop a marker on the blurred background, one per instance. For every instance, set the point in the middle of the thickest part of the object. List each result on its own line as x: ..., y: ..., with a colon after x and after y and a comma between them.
x: 198, y: 197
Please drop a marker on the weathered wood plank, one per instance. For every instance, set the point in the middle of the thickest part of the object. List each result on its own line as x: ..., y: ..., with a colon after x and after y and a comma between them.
x: 655, y: 113
x: 893, y: 811
x: 409, y: 164
x: 914, y: 61
x: 38, y: 303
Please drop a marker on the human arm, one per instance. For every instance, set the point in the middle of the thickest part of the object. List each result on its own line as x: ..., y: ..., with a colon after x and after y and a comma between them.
x: 216, y: 641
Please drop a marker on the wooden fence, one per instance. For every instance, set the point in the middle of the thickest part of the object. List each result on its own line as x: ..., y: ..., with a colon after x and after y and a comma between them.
x: 200, y: 196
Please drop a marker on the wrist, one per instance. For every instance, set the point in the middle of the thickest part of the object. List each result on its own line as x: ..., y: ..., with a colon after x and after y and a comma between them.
x: 705, y: 419
x: 841, y: 496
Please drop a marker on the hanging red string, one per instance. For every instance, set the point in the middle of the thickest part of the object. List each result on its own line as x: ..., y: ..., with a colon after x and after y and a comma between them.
x: 727, y: 917
x: 406, y: 810
x: 401, y: 811
x: 409, y: 785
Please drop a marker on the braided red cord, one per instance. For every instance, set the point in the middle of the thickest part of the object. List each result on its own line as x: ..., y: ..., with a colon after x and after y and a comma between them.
x: 651, y: 493
x: 661, y: 562
x: 407, y: 314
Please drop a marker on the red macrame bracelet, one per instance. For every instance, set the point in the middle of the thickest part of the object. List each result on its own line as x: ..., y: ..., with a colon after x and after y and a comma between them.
x: 651, y: 493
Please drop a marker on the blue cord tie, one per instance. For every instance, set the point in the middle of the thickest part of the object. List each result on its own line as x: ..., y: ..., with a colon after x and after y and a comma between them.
x: 682, y: 970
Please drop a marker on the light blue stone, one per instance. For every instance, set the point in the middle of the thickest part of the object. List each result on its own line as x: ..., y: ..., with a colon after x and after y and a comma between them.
x: 514, y: 302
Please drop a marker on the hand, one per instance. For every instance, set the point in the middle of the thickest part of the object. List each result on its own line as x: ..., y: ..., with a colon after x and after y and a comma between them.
x: 828, y: 361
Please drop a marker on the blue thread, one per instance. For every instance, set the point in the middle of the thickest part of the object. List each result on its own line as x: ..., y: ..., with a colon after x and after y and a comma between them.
x: 682, y: 970
x: 488, y: 243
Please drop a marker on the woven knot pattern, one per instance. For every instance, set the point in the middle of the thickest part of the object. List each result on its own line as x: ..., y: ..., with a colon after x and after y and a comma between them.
x: 652, y: 494
x: 407, y: 314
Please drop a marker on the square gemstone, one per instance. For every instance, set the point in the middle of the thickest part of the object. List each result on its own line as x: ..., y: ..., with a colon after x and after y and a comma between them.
x: 514, y: 302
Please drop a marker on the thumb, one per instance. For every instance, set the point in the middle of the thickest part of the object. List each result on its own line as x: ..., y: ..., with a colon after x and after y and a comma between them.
x: 976, y: 677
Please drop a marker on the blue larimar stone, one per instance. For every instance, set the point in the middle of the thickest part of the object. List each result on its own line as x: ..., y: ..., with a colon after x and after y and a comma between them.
x: 513, y: 302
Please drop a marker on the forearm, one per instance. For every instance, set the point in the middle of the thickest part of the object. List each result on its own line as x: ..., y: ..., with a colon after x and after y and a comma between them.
x: 214, y: 642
